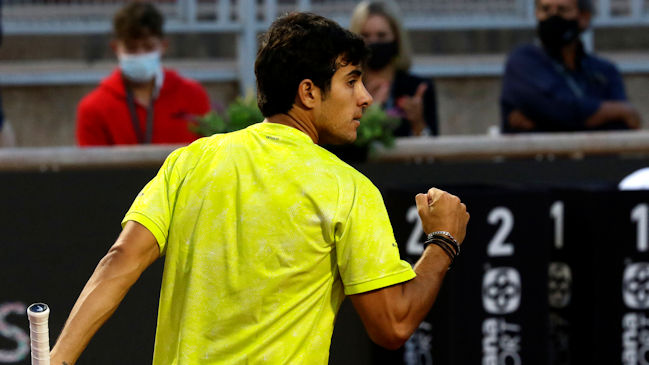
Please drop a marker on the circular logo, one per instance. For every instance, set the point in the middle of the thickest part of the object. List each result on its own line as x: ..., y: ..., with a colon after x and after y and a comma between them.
x: 501, y: 290
x: 559, y: 284
x: 635, y: 285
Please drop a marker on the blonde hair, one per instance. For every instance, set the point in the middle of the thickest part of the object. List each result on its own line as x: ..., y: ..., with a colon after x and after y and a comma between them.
x: 389, y: 10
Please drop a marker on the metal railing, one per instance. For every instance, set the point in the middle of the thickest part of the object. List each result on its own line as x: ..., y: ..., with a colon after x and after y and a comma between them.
x: 417, y: 149
x: 84, y: 16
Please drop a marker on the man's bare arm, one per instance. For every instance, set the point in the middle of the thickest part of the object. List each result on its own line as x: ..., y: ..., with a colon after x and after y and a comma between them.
x: 517, y: 120
x: 612, y: 111
x: 134, y: 251
x: 392, y: 314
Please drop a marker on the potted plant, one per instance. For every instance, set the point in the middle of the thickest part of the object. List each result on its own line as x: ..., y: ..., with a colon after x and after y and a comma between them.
x: 241, y: 113
x: 376, y: 127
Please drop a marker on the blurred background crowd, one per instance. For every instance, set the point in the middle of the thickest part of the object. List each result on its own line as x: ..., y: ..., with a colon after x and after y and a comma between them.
x: 108, y: 72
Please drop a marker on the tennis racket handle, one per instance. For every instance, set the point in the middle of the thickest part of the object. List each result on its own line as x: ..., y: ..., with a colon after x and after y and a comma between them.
x: 38, y: 314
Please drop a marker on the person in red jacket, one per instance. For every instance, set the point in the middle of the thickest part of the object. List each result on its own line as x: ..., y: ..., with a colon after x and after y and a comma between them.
x: 140, y: 102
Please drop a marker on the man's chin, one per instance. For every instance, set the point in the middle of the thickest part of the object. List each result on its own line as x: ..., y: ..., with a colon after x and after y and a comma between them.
x: 339, y: 140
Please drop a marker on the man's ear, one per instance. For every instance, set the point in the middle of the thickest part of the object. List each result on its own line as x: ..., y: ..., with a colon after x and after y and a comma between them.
x: 308, y: 94
x: 113, y: 45
x: 165, y: 46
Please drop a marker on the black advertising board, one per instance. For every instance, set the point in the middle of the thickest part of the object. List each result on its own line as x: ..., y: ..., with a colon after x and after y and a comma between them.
x: 56, y: 228
x: 492, y: 304
x: 599, y: 275
x: 545, y: 276
x: 622, y: 263
x: 619, y: 278
x: 568, y: 284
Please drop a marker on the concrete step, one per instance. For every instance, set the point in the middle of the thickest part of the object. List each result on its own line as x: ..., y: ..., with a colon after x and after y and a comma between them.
x: 65, y: 72
x: 94, y: 47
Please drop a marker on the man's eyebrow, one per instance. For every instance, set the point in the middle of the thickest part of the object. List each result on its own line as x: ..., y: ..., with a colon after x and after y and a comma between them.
x: 355, y: 72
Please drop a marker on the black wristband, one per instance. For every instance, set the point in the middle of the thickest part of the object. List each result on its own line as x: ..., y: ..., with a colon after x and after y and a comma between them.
x: 444, y: 246
x: 447, y: 237
x: 451, y: 243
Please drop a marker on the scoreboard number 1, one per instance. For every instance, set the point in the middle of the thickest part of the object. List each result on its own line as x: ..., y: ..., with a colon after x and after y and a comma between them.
x: 639, y: 215
x: 556, y: 213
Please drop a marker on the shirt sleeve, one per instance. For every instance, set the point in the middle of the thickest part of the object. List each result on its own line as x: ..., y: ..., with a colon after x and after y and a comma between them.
x: 367, y: 253
x: 616, y: 84
x: 199, y: 101
x: 90, y: 129
x: 152, y: 207
x: 430, y: 108
x: 204, y: 101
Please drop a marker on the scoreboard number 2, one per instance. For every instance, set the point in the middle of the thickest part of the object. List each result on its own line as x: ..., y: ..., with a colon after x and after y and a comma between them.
x: 414, y: 246
x: 497, y: 246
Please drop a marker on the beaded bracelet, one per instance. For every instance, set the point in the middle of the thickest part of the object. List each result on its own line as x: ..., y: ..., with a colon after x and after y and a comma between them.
x: 445, y: 247
x: 447, y: 237
x: 446, y: 242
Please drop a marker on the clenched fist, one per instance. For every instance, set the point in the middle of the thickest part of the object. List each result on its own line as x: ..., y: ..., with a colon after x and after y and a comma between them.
x: 441, y: 211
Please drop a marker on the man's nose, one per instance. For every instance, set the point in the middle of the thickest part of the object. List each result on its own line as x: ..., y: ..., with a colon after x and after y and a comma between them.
x: 366, y: 98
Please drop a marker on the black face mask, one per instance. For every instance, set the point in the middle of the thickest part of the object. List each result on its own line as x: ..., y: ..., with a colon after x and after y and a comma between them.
x: 556, y: 32
x: 381, y: 54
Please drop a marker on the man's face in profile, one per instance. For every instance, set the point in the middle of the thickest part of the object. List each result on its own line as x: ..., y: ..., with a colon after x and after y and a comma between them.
x: 338, y: 115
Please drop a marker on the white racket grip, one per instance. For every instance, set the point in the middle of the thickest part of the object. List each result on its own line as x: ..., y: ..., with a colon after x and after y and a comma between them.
x: 38, y: 314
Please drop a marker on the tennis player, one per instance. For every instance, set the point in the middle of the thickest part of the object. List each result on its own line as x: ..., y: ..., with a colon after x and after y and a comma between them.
x: 265, y: 232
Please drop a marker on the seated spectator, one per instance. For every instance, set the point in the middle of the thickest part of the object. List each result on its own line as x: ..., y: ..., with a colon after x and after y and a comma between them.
x: 7, y: 138
x: 386, y: 74
x: 556, y: 85
x: 140, y: 102
x: 7, y: 135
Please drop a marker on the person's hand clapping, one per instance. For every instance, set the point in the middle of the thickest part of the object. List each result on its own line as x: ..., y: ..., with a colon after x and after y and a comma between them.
x: 413, y: 109
x: 379, y: 89
x: 632, y: 117
x: 518, y: 120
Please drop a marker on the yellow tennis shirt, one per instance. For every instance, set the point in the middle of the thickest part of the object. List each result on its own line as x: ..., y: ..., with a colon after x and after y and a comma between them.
x: 264, y: 233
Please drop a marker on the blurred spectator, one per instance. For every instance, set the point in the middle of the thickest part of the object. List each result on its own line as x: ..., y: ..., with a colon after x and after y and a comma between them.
x: 7, y: 138
x: 7, y: 135
x: 2, y: 116
x: 556, y: 85
x: 386, y: 75
x: 140, y: 102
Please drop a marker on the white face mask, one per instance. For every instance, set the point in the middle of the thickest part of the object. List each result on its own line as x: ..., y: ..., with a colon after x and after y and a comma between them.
x: 140, y: 67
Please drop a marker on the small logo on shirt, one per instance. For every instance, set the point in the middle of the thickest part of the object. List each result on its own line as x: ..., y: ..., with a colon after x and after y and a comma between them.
x: 272, y: 138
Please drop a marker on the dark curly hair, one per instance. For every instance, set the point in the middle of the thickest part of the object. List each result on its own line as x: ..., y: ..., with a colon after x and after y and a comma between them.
x: 138, y: 20
x: 582, y: 5
x: 301, y: 46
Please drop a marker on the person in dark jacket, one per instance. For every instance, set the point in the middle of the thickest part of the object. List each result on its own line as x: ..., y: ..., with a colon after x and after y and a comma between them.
x: 556, y: 86
x: 387, y: 78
